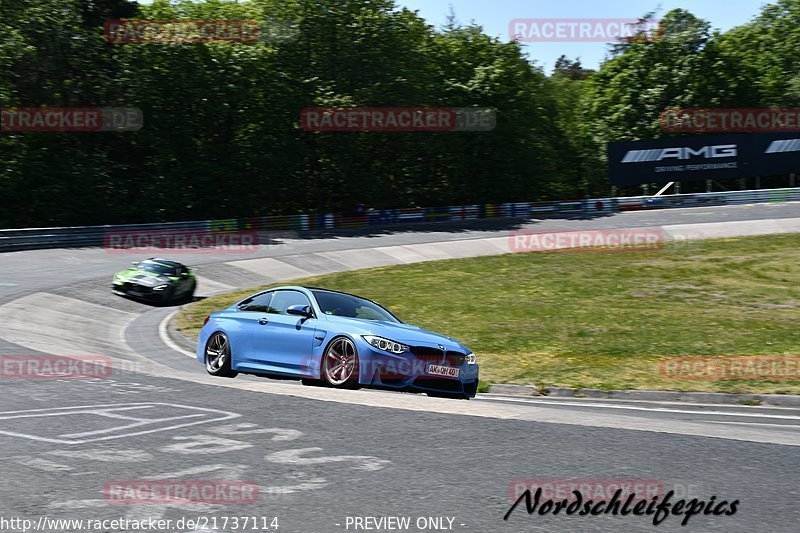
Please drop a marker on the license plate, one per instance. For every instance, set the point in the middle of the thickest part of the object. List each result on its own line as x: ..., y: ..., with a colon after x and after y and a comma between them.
x: 446, y: 371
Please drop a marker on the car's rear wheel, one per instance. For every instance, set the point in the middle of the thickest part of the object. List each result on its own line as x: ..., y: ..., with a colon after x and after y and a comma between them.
x: 340, y: 364
x: 218, y: 356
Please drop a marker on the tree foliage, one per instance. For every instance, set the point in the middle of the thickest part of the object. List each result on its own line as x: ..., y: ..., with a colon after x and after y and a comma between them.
x: 222, y: 133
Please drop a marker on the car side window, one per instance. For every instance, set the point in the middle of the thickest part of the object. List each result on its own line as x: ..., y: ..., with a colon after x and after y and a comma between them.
x: 283, y: 300
x: 258, y: 303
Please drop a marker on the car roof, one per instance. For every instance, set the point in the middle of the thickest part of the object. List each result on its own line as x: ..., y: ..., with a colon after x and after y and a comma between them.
x: 331, y: 290
x: 164, y: 261
x: 310, y: 289
x: 307, y: 288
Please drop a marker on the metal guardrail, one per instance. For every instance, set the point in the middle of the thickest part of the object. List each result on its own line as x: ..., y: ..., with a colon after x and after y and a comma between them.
x: 80, y: 236
x: 92, y: 236
x: 710, y: 199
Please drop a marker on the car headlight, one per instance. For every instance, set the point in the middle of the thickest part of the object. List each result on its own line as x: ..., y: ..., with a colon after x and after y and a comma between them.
x: 385, y: 344
x: 161, y: 287
x: 471, y: 359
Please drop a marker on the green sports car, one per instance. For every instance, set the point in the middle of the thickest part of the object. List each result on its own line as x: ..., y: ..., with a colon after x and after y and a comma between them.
x: 156, y: 280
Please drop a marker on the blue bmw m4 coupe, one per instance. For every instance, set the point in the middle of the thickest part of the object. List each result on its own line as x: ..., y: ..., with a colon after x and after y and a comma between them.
x: 333, y: 339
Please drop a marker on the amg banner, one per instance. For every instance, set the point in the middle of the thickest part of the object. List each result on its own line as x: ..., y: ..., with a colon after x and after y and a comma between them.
x: 776, y: 153
x: 703, y: 157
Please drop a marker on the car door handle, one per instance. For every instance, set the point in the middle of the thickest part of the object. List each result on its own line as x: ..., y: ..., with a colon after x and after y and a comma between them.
x: 263, y: 321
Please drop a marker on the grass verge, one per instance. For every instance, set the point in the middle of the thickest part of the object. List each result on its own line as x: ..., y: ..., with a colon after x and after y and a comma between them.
x: 593, y: 319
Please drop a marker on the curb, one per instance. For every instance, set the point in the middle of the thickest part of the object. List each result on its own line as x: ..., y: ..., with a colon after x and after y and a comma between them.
x: 780, y: 400
x: 179, y: 338
x: 515, y: 390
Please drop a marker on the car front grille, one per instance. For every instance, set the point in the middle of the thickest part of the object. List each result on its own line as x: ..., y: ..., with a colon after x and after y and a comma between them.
x: 136, y: 287
x: 434, y: 356
x: 454, y: 358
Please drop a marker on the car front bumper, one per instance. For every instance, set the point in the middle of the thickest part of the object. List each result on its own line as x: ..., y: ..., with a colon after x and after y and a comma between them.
x: 139, y: 291
x: 411, y: 373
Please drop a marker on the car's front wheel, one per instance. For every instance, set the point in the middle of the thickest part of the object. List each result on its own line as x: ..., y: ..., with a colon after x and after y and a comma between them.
x: 340, y: 364
x: 218, y: 356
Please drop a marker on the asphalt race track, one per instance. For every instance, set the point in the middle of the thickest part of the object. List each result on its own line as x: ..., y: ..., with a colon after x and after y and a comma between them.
x: 322, y: 458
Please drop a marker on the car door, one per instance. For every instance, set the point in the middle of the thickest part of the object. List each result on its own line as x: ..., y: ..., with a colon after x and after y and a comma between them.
x: 247, y: 317
x: 185, y: 280
x: 282, y: 343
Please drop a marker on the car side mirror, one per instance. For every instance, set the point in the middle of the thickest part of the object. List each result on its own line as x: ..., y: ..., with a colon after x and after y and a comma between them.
x: 184, y: 275
x: 300, y: 310
x: 135, y: 263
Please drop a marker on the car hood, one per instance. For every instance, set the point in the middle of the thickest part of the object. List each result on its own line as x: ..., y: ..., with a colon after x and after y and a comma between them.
x: 142, y: 277
x: 400, y: 332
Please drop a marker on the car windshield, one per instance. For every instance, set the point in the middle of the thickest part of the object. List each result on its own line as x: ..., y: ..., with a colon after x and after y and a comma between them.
x: 338, y: 304
x: 158, y: 268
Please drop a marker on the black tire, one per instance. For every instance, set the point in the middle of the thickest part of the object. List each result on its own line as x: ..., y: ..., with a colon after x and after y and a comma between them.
x: 339, y: 365
x: 217, y: 356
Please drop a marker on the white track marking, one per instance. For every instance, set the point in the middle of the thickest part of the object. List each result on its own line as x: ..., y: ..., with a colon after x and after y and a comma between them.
x: 228, y: 470
x: 293, y: 457
x: 105, y: 456
x: 78, y: 504
x: 651, y: 409
x: 245, y: 428
x: 138, y: 424
x: 205, y: 445
x: 310, y: 484
x: 162, y: 332
x: 44, y: 465
x: 579, y: 401
x: 212, y: 415
x: 785, y: 426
